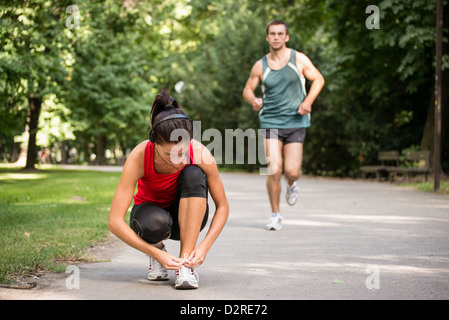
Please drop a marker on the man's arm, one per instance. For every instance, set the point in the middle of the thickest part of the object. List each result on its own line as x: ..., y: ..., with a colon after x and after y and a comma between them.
x: 251, y: 85
x: 311, y: 73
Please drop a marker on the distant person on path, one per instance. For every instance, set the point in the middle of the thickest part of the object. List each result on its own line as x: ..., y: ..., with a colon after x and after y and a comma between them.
x: 284, y: 111
x: 173, y: 174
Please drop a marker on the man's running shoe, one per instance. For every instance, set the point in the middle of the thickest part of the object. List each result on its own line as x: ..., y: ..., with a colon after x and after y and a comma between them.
x: 292, y: 194
x: 275, y: 223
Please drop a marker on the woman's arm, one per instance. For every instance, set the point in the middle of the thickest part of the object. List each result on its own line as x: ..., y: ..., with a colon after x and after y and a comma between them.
x: 132, y: 172
x: 216, y: 189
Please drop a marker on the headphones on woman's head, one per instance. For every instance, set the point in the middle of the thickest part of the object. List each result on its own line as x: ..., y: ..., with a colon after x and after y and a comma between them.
x: 170, y: 117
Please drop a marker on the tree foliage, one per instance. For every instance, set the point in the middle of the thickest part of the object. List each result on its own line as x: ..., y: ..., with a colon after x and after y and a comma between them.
x: 32, y: 62
x: 108, y: 92
x: 104, y: 75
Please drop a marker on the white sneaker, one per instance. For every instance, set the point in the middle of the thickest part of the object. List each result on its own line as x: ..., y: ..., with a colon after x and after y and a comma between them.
x: 156, y: 272
x: 292, y: 194
x: 275, y: 223
x: 186, y: 278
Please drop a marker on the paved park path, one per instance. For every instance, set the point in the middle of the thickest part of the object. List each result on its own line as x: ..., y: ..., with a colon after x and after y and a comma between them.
x: 344, y: 239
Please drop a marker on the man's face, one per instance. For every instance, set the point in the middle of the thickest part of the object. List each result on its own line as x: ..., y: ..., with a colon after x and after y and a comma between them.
x: 277, y: 36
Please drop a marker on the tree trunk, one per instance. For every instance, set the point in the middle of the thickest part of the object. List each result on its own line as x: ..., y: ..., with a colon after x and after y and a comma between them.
x: 35, y: 104
x: 445, y: 95
x: 64, y: 151
x: 100, y: 150
x: 427, y: 140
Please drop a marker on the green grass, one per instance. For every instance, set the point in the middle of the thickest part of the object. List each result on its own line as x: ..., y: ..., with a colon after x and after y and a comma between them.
x: 429, y: 186
x: 48, y: 218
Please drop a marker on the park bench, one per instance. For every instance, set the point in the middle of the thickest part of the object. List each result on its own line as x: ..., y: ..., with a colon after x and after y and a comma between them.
x: 417, y: 162
x: 388, y: 159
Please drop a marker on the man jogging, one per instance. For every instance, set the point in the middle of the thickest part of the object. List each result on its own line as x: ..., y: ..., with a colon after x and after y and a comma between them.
x: 284, y: 111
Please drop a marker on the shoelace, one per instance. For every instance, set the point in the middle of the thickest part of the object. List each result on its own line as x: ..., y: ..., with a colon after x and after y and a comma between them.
x: 156, y: 266
x: 184, y: 271
x: 292, y: 191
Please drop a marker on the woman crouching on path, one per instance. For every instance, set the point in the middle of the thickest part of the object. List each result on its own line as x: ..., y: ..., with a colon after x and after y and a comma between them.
x: 173, y: 174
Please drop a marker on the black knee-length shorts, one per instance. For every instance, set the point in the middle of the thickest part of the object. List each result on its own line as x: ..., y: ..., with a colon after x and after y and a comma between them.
x: 154, y: 224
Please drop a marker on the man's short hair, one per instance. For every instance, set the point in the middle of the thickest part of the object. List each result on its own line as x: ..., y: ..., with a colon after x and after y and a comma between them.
x: 277, y: 22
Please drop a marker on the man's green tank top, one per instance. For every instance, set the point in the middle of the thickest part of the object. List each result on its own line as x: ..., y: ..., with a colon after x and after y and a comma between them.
x: 283, y: 92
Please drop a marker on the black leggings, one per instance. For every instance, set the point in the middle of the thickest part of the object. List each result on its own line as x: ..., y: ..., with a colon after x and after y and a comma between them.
x: 154, y: 224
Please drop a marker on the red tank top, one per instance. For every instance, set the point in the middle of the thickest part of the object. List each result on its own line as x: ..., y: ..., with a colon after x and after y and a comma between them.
x: 157, y: 188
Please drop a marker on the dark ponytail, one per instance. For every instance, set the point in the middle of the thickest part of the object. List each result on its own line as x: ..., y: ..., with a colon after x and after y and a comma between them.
x: 163, y: 106
x: 162, y: 102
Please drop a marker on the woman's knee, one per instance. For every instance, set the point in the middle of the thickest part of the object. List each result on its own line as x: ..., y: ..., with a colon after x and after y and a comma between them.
x: 192, y: 182
x: 152, y: 223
